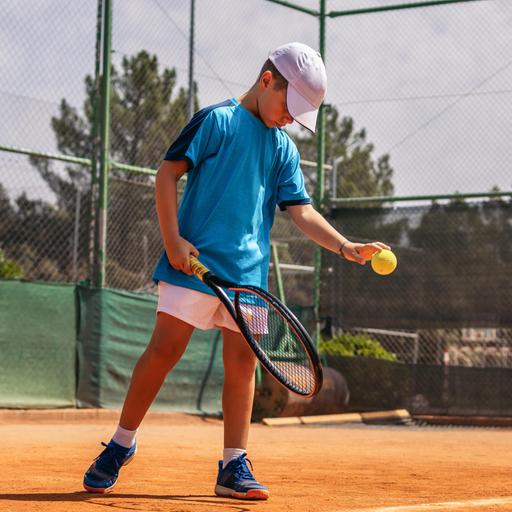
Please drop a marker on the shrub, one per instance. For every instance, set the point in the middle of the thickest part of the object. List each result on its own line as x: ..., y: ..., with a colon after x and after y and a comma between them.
x: 350, y: 345
x: 9, y: 269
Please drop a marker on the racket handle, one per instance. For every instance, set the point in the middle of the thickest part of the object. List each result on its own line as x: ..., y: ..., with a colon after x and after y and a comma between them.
x: 197, y: 267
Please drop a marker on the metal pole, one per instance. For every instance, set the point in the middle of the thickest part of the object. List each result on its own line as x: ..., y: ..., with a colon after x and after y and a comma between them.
x: 101, y: 255
x: 277, y: 271
x: 190, y: 103
x: 76, y: 234
x: 145, y: 259
x: 48, y: 156
x: 341, y: 202
x: 95, y: 129
x: 334, y: 177
x: 320, y: 188
x: 312, y: 12
x: 416, y: 349
x: 398, y: 7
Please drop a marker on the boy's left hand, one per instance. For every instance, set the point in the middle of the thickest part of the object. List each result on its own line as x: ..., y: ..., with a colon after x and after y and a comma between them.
x: 361, y: 253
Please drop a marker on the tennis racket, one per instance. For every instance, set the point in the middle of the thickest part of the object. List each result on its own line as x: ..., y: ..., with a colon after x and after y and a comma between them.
x: 273, y: 332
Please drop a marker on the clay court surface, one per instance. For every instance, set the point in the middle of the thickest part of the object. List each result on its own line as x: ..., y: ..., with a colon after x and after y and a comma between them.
x: 308, y: 469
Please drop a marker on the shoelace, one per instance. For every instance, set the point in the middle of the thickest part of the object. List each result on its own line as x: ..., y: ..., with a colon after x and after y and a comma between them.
x: 109, y: 459
x: 242, y: 471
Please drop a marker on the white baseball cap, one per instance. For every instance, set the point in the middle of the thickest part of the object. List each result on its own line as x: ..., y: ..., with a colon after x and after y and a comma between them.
x: 304, y: 70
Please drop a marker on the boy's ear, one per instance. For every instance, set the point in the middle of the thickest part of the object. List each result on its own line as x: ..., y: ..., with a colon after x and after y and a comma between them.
x: 266, y: 79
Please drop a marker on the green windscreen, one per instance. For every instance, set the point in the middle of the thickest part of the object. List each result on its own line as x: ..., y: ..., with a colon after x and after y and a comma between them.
x: 115, y: 328
x: 37, y: 345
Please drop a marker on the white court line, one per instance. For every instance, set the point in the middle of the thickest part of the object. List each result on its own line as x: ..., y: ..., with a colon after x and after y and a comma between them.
x: 447, y: 505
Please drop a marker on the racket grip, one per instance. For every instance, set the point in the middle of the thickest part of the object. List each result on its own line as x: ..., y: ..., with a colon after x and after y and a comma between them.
x: 197, y: 267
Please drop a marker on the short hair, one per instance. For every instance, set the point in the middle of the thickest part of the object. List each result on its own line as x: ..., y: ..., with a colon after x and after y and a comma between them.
x: 280, y: 80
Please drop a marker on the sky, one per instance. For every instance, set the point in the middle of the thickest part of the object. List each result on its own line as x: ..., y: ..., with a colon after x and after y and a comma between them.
x: 432, y: 87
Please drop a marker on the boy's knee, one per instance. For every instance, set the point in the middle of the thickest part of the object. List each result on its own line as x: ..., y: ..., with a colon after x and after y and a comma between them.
x: 170, y: 338
x: 242, y: 365
x: 160, y: 351
x: 165, y: 349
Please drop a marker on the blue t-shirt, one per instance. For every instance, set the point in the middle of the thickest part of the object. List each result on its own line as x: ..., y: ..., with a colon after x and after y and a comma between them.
x: 238, y: 171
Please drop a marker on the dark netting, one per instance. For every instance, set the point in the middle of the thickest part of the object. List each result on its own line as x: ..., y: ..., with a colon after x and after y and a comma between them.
x: 444, y: 315
x: 454, y: 263
x: 46, y: 229
x: 134, y: 242
x: 296, y: 260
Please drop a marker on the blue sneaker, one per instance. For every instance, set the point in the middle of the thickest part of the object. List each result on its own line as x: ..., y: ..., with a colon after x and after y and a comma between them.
x: 236, y: 481
x: 103, y: 473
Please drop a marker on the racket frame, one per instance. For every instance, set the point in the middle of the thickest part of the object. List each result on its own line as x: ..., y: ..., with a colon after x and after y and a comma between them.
x: 218, y: 286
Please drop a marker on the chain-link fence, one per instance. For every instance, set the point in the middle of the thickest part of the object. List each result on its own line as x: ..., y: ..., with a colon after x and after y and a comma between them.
x: 441, y: 136
x: 44, y: 229
x: 474, y: 347
x: 430, y: 87
x: 418, y: 105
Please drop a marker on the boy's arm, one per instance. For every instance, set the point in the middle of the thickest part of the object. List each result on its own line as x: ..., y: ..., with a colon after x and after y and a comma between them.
x: 166, y: 192
x: 315, y: 227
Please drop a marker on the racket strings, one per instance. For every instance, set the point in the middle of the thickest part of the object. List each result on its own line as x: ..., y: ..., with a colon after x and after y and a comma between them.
x: 278, y: 339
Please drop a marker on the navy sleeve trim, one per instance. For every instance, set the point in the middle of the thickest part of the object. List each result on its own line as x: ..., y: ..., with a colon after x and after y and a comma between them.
x: 284, y: 204
x: 179, y: 147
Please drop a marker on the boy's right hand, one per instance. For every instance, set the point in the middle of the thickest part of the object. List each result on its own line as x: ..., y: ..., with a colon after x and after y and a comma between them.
x: 179, y: 255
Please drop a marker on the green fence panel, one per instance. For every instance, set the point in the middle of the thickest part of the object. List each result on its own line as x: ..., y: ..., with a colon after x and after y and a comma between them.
x: 37, y: 345
x: 115, y: 328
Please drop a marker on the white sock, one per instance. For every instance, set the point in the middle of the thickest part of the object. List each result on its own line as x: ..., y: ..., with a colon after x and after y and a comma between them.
x: 124, y: 437
x: 228, y: 454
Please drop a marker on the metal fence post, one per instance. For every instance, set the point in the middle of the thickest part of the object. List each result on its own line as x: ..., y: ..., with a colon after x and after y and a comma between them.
x: 319, y: 196
x: 101, y: 245
x: 76, y: 235
x: 190, y: 100
x: 95, y: 129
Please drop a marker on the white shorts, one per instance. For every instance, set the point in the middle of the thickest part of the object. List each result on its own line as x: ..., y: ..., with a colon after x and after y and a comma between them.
x: 202, y: 310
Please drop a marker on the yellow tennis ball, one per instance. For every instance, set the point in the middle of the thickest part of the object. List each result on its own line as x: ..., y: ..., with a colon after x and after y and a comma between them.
x: 384, y: 262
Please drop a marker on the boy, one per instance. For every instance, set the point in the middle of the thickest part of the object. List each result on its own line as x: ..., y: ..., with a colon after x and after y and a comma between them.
x: 240, y: 165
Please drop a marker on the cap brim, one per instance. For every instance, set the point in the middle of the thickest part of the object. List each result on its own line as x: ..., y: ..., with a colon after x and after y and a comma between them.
x: 300, y: 109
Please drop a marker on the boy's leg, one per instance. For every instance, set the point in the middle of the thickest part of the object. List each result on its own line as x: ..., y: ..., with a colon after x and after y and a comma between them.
x: 234, y: 478
x: 238, y: 391
x: 168, y: 342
